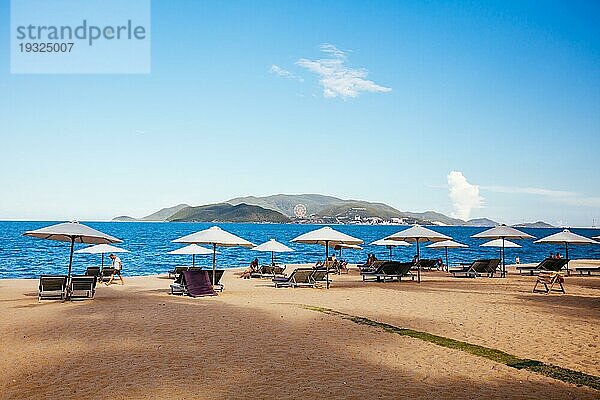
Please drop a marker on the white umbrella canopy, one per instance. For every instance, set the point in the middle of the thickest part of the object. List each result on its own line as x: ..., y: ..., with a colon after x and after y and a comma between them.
x: 217, y: 237
x: 102, y: 249
x: 273, y: 246
x: 499, y: 243
x: 192, y: 250
x: 326, y: 236
x: 418, y: 234
x: 389, y: 244
x: 73, y: 232
x: 567, y: 237
x: 446, y: 244
x: 502, y: 232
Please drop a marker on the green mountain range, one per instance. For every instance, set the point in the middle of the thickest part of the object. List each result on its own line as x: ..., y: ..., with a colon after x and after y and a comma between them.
x: 282, y: 208
x: 224, y: 212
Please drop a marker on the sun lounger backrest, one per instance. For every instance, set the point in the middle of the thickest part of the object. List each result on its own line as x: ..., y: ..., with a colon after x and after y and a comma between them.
x: 427, y: 264
x: 480, y: 266
x: 557, y: 264
x: 218, y: 275
x: 82, y: 282
x: 404, y: 268
x: 108, y: 271
x: 493, y: 265
x: 318, y: 275
x: 388, y: 268
x: 92, y: 271
x: 278, y: 270
x: 53, y: 282
x: 302, y: 275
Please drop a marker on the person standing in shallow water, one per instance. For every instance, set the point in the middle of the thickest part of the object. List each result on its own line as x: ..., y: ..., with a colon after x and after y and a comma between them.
x: 117, y: 264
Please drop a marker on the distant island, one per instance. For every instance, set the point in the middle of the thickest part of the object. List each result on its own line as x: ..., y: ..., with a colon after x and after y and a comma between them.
x: 308, y: 209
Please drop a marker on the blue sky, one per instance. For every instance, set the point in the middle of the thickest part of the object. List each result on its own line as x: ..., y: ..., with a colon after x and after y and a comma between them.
x: 376, y: 101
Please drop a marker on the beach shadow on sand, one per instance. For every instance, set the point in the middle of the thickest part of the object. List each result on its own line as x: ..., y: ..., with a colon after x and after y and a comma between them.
x: 152, y: 345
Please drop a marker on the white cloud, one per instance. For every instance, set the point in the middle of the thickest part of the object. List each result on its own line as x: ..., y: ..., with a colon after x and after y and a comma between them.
x: 277, y: 70
x: 337, y: 78
x: 464, y: 195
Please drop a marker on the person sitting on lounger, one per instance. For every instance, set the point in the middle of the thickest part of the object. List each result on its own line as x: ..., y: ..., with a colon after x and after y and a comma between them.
x: 117, y: 264
x: 558, y: 256
x: 319, y: 264
x: 252, y: 268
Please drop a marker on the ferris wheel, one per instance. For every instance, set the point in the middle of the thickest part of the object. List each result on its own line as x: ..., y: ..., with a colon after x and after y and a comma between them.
x: 300, y: 211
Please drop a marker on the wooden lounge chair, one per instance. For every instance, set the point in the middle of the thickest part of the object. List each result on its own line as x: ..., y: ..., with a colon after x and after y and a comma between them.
x: 52, y: 287
x: 218, y: 275
x: 549, y: 280
x: 298, y: 277
x: 82, y: 287
x: 477, y: 268
x: 93, y: 271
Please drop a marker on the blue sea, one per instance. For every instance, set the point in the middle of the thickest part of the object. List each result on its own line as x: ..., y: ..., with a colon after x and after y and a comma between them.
x: 149, y: 243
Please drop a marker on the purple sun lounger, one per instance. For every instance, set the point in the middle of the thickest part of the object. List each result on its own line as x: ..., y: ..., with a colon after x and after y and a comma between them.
x: 197, y: 284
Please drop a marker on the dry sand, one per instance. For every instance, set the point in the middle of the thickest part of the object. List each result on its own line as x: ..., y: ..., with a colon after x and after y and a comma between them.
x: 136, y: 341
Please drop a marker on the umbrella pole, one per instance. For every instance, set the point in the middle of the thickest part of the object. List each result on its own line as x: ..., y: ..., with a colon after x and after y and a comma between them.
x: 193, y: 260
x: 70, y: 265
x: 273, y: 258
x: 214, y: 263
x: 326, y: 262
x: 503, y: 260
x: 391, y: 256
x: 567, y: 256
x: 418, y: 263
x: 447, y: 265
x: 102, y: 260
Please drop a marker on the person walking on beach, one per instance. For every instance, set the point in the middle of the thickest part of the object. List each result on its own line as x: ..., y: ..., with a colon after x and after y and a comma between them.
x: 117, y: 264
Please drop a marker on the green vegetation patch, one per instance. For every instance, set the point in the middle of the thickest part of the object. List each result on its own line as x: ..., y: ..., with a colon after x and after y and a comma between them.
x: 552, y: 371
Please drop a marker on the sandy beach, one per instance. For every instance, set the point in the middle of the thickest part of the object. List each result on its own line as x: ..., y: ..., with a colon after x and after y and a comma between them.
x: 254, y: 341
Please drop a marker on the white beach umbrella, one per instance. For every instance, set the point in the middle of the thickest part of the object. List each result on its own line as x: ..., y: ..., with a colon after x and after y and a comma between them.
x: 502, y: 244
x: 566, y: 237
x: 502, y: 232
x: 389, y: 244
x: 102, y: 249
x: 214, y: 236
x: 418, y: 234
x: 192, y: 249
x: 447, y: 244
x: 72, y: 232
x: 326, y: 236
x: 273, y: 246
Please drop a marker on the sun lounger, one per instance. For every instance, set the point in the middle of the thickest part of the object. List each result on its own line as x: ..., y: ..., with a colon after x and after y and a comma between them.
x: 372, y: 267
x: 477, y: 268
x: 388, y: 271
x: 298, y: 277
x: 177, y: 271
x: 587, y: 270
x: 278, y: 270
x: 550, y: 280
x: 195, y: 283
x: 106, y: 273
x: 93, y: 271
x: 82, y: 286
x: 548, y: 264
x: 319, y: 277
x: 264, y: 271
x: 218, y: 275
x: 426, y: 265
x: 52, y: 287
